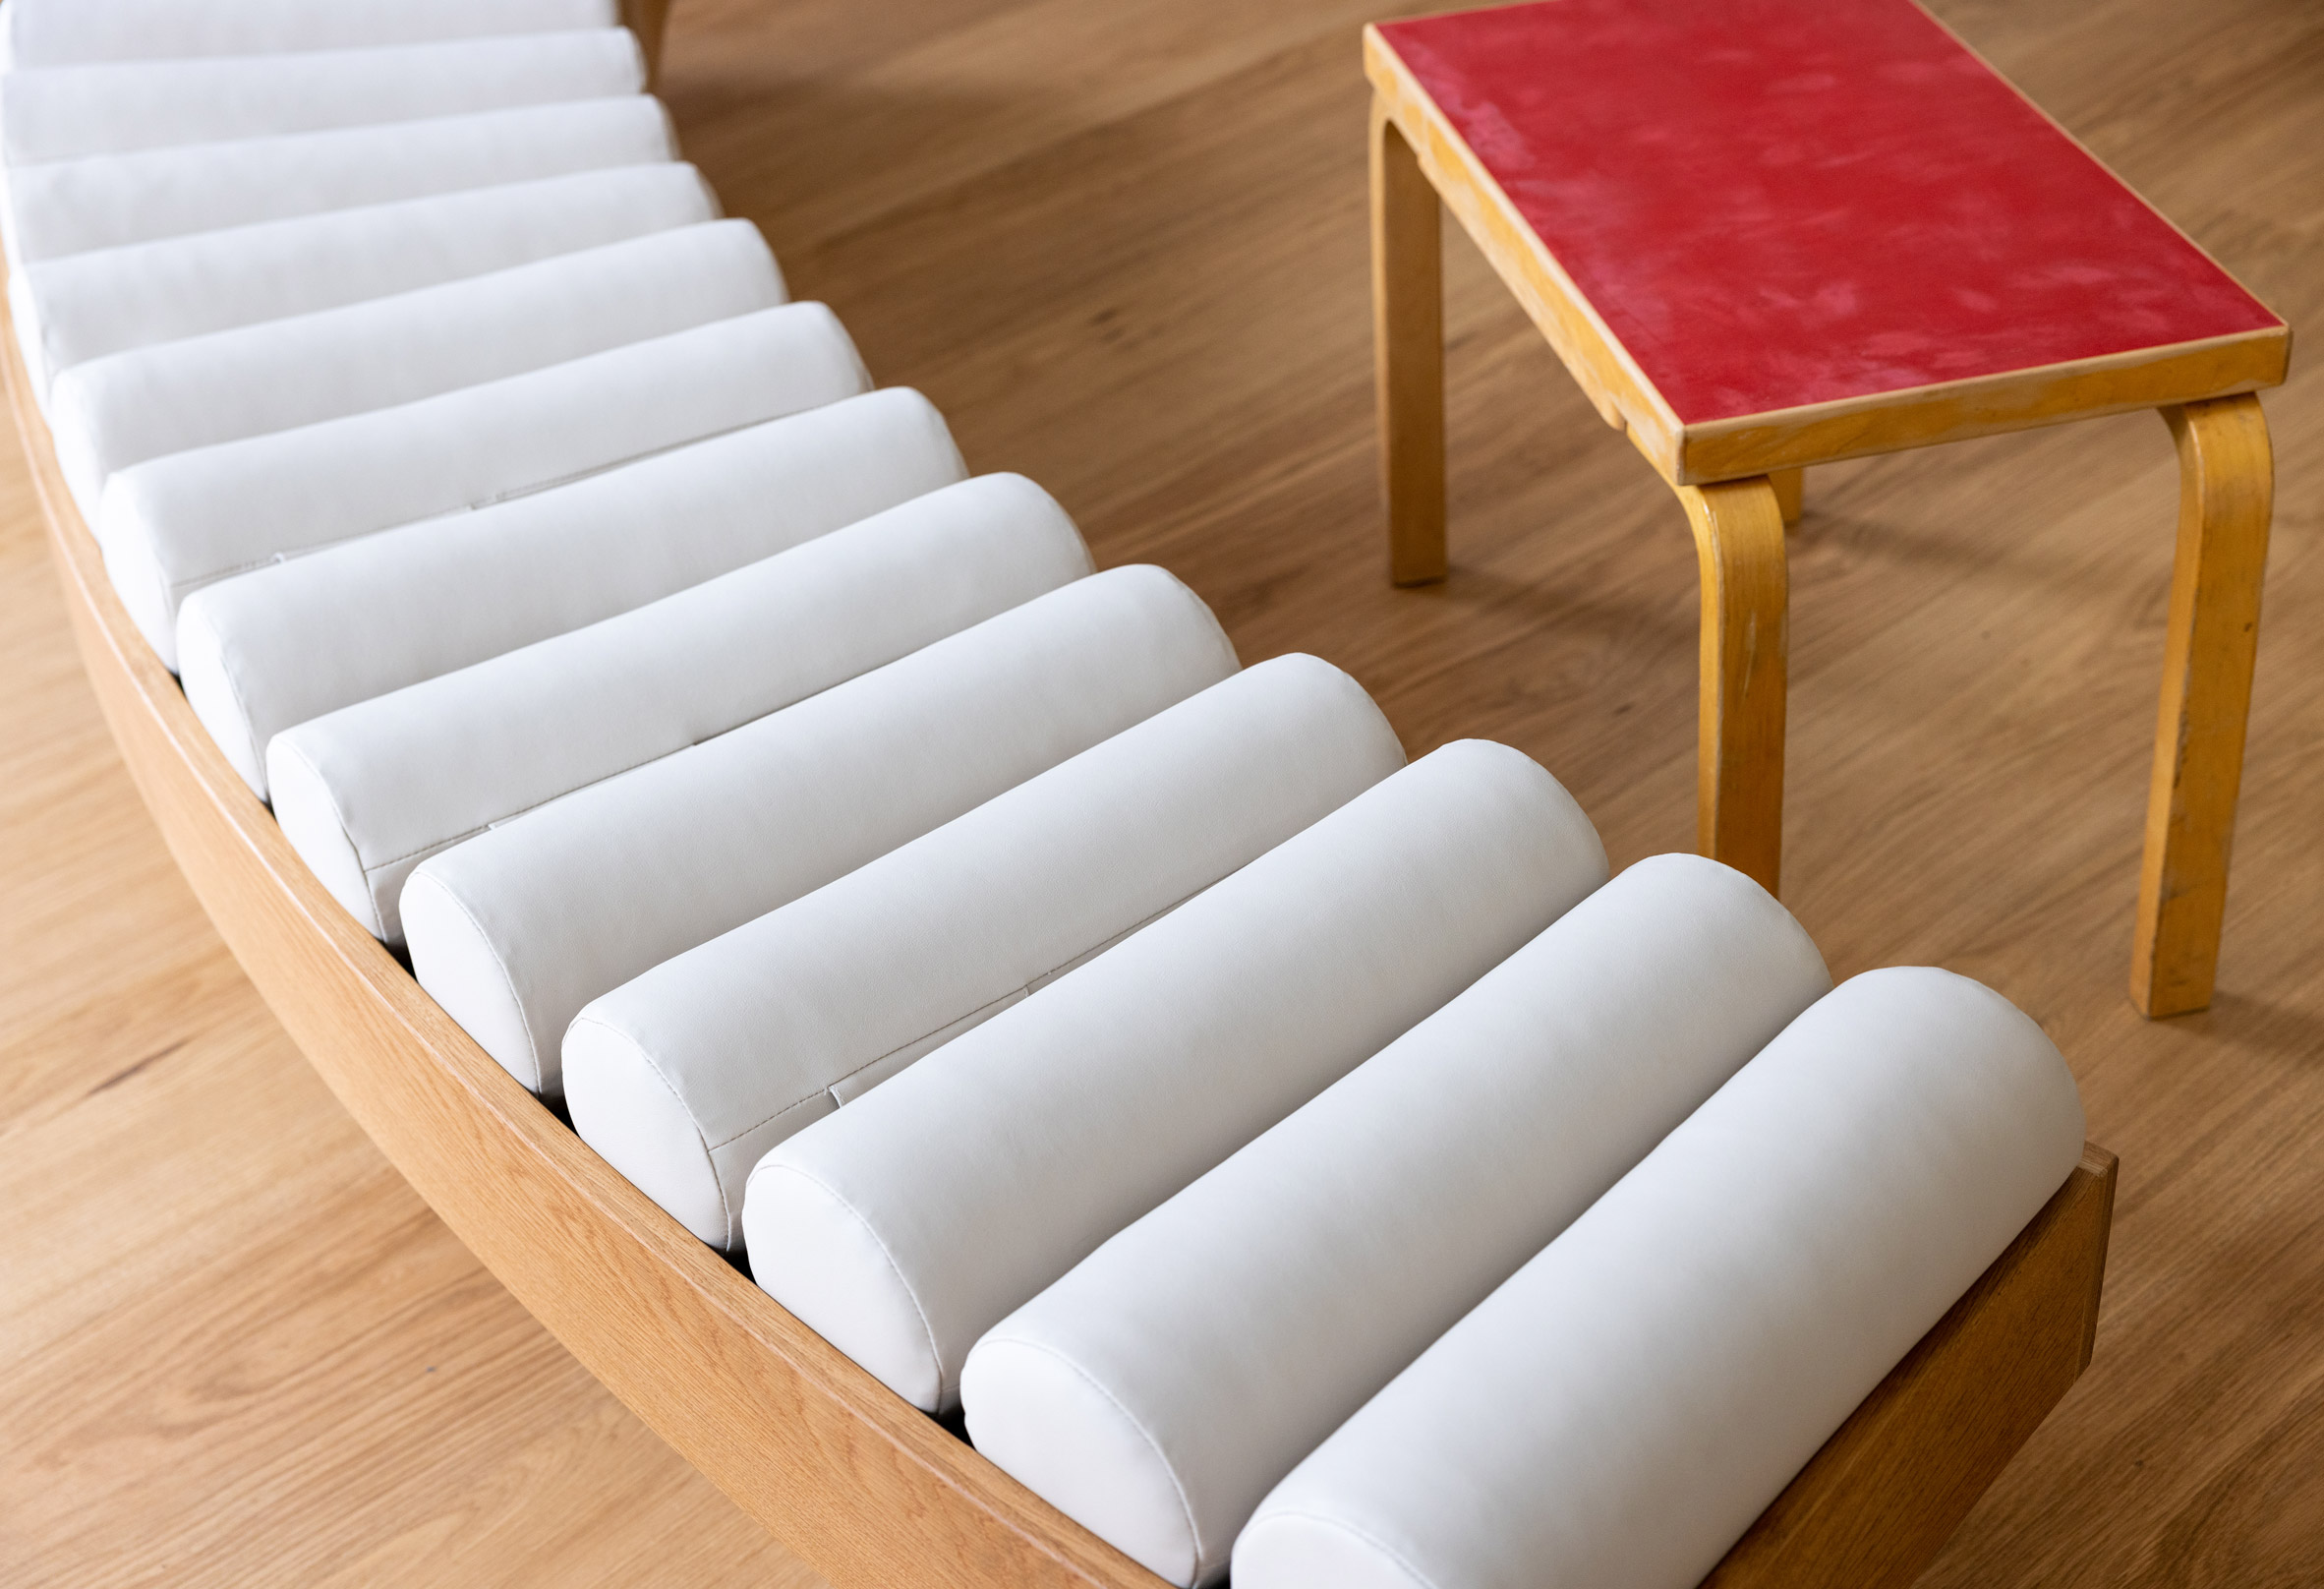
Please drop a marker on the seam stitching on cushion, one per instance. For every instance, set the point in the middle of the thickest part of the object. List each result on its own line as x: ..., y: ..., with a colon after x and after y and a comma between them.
x: 797, y: 1103
x: 592, y: 471
x: 868, y: 1064
x: 1025, y: 990
x: 512, y: 493
x: 999, y: 998
x: 1129, y: 932
x: 435, y: 845
x: 927, y: 1330
x: 1185, y: 1511
x: 524, y: 1016
x: 194, y: 583
x: 726, y: 1209
x: 1382, y: 1546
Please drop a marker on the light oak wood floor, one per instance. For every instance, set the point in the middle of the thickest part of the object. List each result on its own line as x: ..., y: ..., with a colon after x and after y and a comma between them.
x: 1123, y: 245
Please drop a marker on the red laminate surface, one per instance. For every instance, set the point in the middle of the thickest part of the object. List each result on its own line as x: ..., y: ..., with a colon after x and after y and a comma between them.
x: 1776, y: 203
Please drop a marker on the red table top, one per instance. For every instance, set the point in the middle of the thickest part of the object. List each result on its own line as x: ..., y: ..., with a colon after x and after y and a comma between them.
x: 1776, y: 203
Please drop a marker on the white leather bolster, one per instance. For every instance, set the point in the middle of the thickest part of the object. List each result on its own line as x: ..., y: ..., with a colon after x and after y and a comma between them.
x: 296, y: 639
x: 68, y: 206
x: 516, y: 929
x: 71, y: 32
x: 1622, y: 1408
x: 1158, y: 1391
x: 394, y: 779
x: 908, y: 1224
x: 125, y: 107
x: 778, y: 1023
x: 128, y: 408
x: 172, y: 525
x: 86, y: 306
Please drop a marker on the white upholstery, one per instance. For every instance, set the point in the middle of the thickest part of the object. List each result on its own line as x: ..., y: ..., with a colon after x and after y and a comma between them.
x: 758, y: 1033
x: 371, y: 790
x: 518, y: 928
x: 68, y: 32
x: 71, y: 112
x: 1619, y: 1411
x: 282, y: 644
x: 905, y: 1226
x: 1158, y: 1391
x: 173, y: 524
x: 85, y: 305
x: 128, y: 408
x: 68, y: 206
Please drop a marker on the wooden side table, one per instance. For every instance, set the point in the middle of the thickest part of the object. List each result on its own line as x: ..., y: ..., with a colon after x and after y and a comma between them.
x: 1775, y: 233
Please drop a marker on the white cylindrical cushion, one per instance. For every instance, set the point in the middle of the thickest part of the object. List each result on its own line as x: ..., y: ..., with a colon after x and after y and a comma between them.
x: 1157, y: 1392
x: 291, y: 641
x: 518, y: 928
x: 1620, y: 1410
x: 128, y: 408
x: 112, y: 300
x: 72, y: 112
x: 908, y: 1224
x: 778, y: 1023
x: 70, y: 206
x: 172, y: 525
x: 68, y: 32
x: 369, y: 792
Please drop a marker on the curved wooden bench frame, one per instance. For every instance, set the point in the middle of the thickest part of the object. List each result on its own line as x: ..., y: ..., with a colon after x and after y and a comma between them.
x: 869, y: 1491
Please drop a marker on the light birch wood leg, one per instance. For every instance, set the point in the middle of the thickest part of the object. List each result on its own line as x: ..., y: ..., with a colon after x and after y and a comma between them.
x: 1791, y: 491
x: 2225, y: 500
x: 1408, y: 350
x: 1746, y: 612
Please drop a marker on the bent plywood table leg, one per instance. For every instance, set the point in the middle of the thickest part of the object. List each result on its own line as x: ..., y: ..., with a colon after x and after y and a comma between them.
x: 1746, y: 618
x: 2225, y: 499
x: 1408, y: 333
